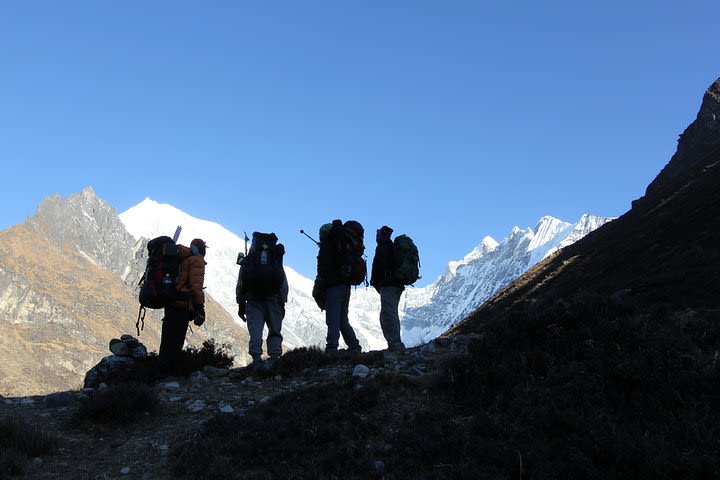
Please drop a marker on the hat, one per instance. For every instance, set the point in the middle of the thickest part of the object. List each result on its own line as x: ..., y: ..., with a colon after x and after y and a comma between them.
x: 200, y: 245
x: 386, y: 229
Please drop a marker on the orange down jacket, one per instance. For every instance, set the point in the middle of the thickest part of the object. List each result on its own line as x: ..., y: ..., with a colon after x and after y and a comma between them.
x: 191, y: 278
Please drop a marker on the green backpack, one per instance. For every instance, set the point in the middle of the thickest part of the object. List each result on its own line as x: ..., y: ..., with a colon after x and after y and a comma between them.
x: 407, y: 260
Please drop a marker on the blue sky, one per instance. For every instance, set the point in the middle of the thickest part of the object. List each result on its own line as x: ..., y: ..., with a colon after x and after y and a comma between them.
x: 448, y: 121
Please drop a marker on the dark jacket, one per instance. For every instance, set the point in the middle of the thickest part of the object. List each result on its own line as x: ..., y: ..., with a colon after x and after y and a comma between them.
x: 383, y: 265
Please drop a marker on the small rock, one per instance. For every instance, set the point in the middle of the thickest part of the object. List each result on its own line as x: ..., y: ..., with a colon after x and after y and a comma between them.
x: 174, y: 399
x: 198, y: 378
x: 27, y: 401
x: 102, y: 386
x: 227, y: 409
x: 361, y: 371
x: 428, y: 348
x: 265, y: 400
x: 37, y: 461
x: 170, y: 386
x: 196, y: 406
x: 621, y: 295
x: 125, y: 470
x: 7, y: 401
x: 378, y: 467
x: 390, y: 355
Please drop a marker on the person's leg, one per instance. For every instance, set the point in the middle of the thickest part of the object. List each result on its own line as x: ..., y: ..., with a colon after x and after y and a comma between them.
x: 389, y: 318
x: 255, y: 315
x: 346, y: 329
x: 274, y: 318
x: 334, y: 300
x: 174, y: 328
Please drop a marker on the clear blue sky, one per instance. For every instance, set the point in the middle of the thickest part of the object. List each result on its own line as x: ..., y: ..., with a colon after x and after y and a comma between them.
x: 447, y: 120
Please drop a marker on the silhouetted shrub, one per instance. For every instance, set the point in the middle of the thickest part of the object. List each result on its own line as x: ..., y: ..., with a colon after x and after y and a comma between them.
x: 194, y: 359
x: 18, y: 443
x: 117, y: 404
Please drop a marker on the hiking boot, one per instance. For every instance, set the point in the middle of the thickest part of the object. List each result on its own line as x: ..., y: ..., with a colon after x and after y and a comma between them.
x: 397, y: 347
x: 356, y: 348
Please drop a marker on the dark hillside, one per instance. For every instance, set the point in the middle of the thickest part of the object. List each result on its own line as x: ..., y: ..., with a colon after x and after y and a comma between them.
x: 663, y: 253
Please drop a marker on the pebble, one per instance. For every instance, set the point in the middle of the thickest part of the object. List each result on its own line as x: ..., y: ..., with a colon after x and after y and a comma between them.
x: 170, y: 386
x: 196, y: 406
x: 125, y: 470
x: 361, y: 371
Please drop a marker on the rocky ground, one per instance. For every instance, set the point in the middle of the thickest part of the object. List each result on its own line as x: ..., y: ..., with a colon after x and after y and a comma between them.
x: 145, y: 447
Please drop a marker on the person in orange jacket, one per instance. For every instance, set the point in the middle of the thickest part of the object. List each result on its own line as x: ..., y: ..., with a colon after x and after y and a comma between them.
x: 190, y: 306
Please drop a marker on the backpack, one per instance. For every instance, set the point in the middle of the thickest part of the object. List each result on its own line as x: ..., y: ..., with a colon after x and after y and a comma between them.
x: 407, y: 260
x: 158, y: 283
x: 353, y: 267
x: 262, y: 270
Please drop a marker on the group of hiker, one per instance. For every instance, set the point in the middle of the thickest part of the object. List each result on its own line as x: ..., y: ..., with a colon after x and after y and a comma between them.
x: 174, y: 280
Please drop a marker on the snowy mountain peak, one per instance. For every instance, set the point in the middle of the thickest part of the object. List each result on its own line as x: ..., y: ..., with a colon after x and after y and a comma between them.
x: 488, y: 268
x: 487, y: 245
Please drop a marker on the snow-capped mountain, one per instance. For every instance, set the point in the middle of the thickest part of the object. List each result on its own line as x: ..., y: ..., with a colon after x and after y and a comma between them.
x: 425, y: 312
x: 466, y: 284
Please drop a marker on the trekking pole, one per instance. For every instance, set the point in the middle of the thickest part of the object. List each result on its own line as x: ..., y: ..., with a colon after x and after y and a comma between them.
x: 176, y: 235
x: 246, y: 240
x: 316, y: 242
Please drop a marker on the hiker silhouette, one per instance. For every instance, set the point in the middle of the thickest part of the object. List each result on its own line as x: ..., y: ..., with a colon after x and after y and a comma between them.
x: 340, y: 265
x: 389, y: 287
x: 189, y: 307
x: 261, y: 293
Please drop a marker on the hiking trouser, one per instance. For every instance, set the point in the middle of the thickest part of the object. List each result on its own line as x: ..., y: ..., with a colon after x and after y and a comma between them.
x: 337, y: 301
x: 260, y: 313
x: 174, y: 327
x: 389, y: 318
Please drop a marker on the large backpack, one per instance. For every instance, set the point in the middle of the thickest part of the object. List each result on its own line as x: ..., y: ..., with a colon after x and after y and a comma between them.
x: 262, y: 270
x: 407, y: 260
x: 158, y: 283
x: 353, y: 267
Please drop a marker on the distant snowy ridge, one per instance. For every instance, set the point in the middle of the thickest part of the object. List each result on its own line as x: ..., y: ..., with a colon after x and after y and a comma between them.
x: 465, y: 285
